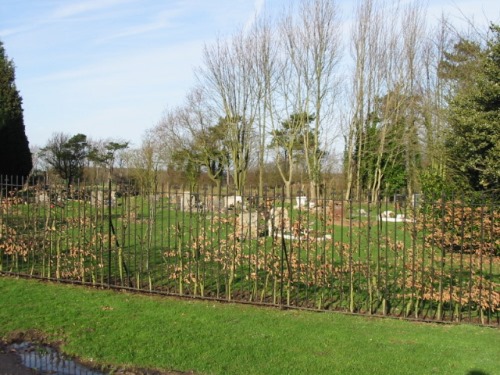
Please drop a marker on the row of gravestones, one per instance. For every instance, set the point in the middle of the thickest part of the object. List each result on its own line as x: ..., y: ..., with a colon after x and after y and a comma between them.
x: 96, y: 198
x: 187, y: 201
x: 268, y: 220
x: 249, y: 223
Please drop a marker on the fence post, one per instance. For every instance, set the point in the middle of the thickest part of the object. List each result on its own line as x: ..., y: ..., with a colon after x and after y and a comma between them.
x: 110, y: 225
x: 282, y: 268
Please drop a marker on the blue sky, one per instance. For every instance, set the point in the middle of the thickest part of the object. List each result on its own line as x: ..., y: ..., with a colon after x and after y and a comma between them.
x: 110, y: 68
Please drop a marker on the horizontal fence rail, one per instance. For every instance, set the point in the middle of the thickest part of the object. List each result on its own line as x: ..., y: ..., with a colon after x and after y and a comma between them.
x: 418, y: 258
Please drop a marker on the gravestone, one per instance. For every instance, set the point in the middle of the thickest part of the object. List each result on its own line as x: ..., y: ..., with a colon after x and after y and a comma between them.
x: 301, y: 201
x: 278, y: 221
x: 233, y: 201
x: 42, y: 197
x: 247, y: 226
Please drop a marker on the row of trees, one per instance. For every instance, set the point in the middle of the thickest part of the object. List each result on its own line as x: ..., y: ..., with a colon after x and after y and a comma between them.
x: 415, y: 107
x: 425, y: 105
x: 264, y: 94
x: 68, y: 155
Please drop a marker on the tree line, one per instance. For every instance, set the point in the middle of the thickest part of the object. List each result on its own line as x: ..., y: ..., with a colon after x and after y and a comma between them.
x: 394, y: 104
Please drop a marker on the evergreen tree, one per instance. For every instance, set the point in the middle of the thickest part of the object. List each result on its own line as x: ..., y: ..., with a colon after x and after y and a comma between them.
x: 291, y: 142
x: 15, y: 156
x: 474, y: 139
x: 67, y: 155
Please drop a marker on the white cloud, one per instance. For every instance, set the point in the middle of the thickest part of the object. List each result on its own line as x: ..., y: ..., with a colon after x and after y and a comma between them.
x: 75, y: 8
x: 157, y: 22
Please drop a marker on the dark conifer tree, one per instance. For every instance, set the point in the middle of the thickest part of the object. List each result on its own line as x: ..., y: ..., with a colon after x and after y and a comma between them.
x: 15, y: 156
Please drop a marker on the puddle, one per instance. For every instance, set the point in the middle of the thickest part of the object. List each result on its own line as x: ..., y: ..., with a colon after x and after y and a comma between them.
x: 46, y: 360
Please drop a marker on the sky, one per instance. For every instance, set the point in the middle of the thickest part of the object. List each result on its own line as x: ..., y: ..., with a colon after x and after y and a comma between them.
x: 110, y: 68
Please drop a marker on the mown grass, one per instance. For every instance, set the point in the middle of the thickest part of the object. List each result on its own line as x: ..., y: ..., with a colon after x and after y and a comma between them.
x: 115, y: 328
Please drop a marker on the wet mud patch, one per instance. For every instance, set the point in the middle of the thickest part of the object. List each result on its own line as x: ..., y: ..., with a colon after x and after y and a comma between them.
x: 44, y: 359
x: 30, y: 353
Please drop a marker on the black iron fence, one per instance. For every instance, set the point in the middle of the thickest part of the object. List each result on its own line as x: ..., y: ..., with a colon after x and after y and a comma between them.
x: 417, y: 258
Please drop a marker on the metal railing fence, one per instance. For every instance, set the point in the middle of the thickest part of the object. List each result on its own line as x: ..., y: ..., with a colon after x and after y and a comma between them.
x: 424, y: 259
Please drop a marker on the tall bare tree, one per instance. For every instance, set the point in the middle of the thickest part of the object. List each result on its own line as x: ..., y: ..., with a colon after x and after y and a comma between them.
x: 368, y: 51
x: 312, y: 45
x: 266, y: 72
x: 388, y: 49
x: 414, y: 32
x: 227, y: 75
x: 433, y: 105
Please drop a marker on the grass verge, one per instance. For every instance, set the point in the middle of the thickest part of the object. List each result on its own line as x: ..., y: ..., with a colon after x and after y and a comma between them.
x: 123, y: 329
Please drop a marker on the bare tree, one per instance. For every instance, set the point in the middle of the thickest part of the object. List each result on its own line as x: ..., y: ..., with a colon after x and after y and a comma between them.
x: 146, y: 162
x: 433, y: 107
x: 312, y: 45
x: 287, y: 142
x: 384, y: 136
x: 265, y: 70
x: 195, y: 139
x: 227, y: 77
x: 368, y: 55
x: 414, y: 33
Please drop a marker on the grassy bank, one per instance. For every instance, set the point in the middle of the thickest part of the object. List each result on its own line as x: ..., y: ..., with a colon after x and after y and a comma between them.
x: 209, y: 338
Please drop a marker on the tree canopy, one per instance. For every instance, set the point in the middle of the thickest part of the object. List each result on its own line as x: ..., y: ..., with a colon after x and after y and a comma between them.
x: 15, y: 156
x: 474, y: 137
x: 67, y: 155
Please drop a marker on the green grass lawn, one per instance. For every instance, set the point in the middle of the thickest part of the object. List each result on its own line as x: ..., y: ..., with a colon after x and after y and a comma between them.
x: 117, y: 329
